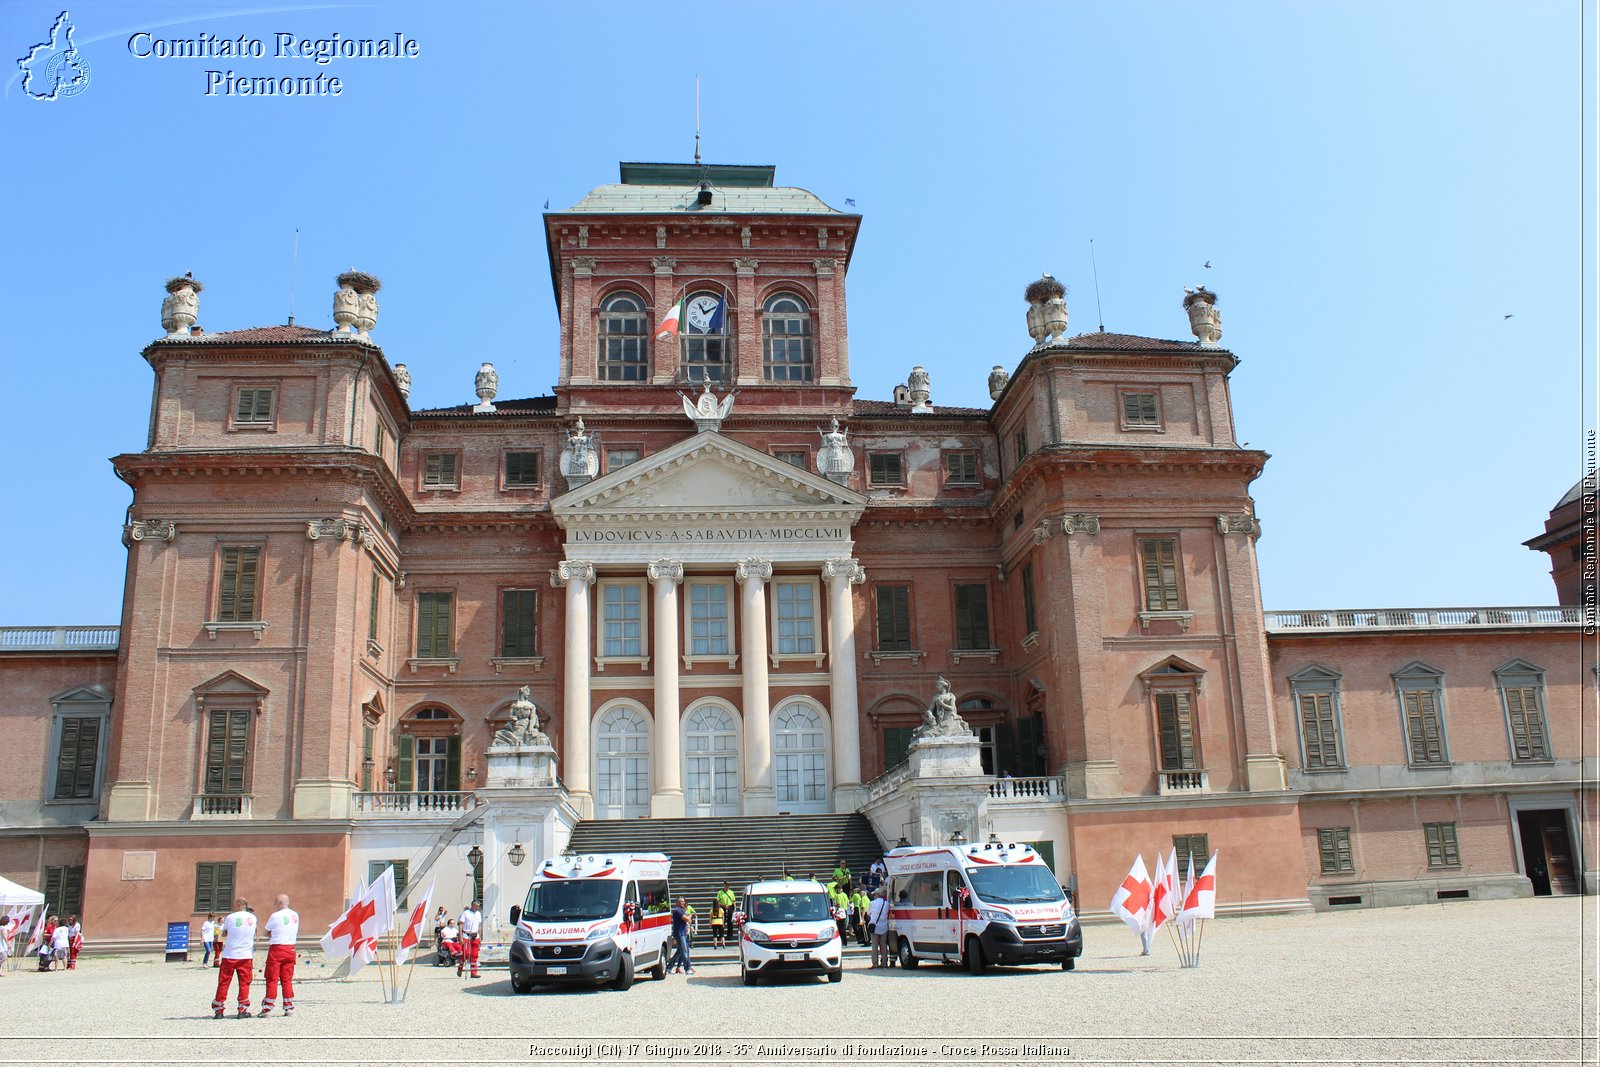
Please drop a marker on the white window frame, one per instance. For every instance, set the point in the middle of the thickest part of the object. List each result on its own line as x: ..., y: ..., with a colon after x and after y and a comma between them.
x: 818, y: 634
x: 601, y: 659
x: 690, y: 656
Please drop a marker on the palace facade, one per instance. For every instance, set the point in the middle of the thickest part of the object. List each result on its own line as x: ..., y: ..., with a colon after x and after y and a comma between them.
x: 730, y: 586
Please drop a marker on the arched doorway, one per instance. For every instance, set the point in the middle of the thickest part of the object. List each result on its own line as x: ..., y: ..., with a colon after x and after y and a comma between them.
x: 710, y: 762
x: 622, y: 763
x: 800, y: 758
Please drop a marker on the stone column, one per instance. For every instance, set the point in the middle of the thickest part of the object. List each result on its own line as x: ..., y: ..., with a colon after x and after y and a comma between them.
x: 578, y: 578
x: 759, y: 798
x: 667, y: 800
x: 840, y: 575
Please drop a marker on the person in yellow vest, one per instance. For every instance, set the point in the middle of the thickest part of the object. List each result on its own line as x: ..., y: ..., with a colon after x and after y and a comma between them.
x: 859, y: 903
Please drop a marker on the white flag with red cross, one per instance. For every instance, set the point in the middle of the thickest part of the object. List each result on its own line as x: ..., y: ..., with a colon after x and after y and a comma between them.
x: 1131, y: 901
x: 1200, y: 902
x: 1164, y: 893
x: 411, y: 934
x: 356, y: 932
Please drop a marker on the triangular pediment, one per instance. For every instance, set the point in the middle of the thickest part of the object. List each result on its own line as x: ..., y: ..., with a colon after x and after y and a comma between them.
x: 707, y: 475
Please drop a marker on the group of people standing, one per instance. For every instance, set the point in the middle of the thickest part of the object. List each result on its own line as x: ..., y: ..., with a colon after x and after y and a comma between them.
x: 234, y: 939
x: 458, y: 940
x: 59, y: 942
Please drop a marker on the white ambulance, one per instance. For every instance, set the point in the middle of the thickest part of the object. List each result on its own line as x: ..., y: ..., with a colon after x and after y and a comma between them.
x: 600, y: 919
x: 979, y: 904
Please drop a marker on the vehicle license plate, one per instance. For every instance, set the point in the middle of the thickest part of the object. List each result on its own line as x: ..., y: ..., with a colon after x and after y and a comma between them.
x: 556, y: 970
x: 789, y: 957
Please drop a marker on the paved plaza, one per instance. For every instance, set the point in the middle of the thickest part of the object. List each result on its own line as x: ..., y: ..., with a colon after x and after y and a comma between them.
x: 1478, y: 982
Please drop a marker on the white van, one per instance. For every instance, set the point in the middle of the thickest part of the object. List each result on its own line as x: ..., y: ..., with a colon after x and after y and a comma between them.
x: 599, y: 919
x: 979, y: 904
x: 789, y: 929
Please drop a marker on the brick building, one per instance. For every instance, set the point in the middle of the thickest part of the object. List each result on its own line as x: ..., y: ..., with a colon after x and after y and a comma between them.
x: 730, y: 585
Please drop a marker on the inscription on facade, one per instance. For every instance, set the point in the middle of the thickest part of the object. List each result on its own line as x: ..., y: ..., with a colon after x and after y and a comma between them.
x: 707, y: 534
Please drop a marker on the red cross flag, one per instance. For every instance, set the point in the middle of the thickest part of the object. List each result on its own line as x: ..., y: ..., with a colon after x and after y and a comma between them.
x: 357, y: 931
x: 1131, y: 901
x: 1201, y: 900
x: 411, y: 935
x: 1164, y: 894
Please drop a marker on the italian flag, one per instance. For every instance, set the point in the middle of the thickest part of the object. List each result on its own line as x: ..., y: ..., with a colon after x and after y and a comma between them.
x: 669, y: 325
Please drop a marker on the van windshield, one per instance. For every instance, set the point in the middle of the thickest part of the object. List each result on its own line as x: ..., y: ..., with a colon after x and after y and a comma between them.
x: 574, y: 901
x: 789, y: 908
x: 1015, y: 885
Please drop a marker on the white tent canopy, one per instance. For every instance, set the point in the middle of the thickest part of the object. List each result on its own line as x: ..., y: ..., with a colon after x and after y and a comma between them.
x: 12, y: 894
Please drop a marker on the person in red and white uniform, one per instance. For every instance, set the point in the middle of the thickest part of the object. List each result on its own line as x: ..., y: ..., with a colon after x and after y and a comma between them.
x: 238, y: 958
x: 283, y: 928
x: 471, y: 924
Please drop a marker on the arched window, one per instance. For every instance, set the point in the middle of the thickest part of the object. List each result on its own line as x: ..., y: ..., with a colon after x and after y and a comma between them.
x: 622, y: 764
x: 786, y: 339
x: 800, y: 759
x: 624, y: 355
x: 704, y: 337
x: 711, y: 762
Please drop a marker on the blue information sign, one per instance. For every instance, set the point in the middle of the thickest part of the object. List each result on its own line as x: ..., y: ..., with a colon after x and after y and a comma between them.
x: 177, y: 941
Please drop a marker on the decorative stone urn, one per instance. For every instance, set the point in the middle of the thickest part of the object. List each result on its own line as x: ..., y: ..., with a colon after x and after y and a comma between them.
x: 999, y: 379
x: 1047, y: 310
x: 487, y: 384
x: 579, y: 460
x: 835, y: 461
x: 1204, y: 321
x: 181, y: 306
x: 355, y: 305
x: 402, y: 379
x: 921, y: 389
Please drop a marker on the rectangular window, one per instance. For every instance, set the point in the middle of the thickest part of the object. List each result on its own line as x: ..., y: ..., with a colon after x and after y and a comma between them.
x: 1424, y: 738
x: 368, y: 737
x: 1442, y: 848
x: 972, y: 616
x: 1194, y: 848
x: 1526, y: 714
x: 1159, y: 558
x: 1022, y: 444
x: 63, y: 891
x: 380, y: 441
x: 708, y: 619
x: 402, y: 870
x: 896, y: 742
x: 434, y: 637
x: 794, y: 618
x: 213, y: 887
x: 961, y: 468
x: 518, y: 626
x: 522, y: 470
x: 441, y: 470
x: 239, y: 589
x: 1030, y: 615
x: 622, y: 617
x: 1321, y: 731
x: 78, y: 755
x: 887, y: 468
x: 227, y: 751
x: 894, y: 618
x: 1175, y: 724
x: 1140, y: 410
x: 797, y: 457
x: 1334, y: 848
x: 617, y: 458
x: 372, y: 607
x: 254, y: 407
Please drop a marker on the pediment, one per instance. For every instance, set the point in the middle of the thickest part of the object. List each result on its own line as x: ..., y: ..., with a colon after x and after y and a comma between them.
x: 229, y: 683
x: 708, y: 475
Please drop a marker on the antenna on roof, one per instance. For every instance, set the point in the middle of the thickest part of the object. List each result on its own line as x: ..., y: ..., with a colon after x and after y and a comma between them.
x: 294, y: 271
x: 1096, y: 268
x: 697, y: 120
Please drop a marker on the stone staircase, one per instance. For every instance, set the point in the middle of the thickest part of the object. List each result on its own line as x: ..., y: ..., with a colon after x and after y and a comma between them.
x: 707, y: 852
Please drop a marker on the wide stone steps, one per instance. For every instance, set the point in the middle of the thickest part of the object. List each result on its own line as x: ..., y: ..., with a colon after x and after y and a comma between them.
x: 707, y: 852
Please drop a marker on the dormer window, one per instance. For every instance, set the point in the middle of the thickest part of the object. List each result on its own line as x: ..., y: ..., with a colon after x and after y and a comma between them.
x: 786, y: 339
x: 624, y: 355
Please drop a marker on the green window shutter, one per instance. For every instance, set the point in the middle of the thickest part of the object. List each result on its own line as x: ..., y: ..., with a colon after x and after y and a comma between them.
x: 72, y: 892
x: 1422, y: 727
x: 75, y: 762
x: 894, y: 618
x: 246, y: 405
x: 402, y: 878
x: 404, y: 762
x: 1030, y: 615
x: 1028, y: 746
x: 1160, y: 573
x: 1005, y: 752
x: 54, y: 877
x: 452, y: 764
x: 237, y: 751
x: 518, y: 619
x: 972, y: 616
x: 204, y: 878
x: 1176, y: 723
x: 896, y: 740
x: 372, y: 608
x: 366, y: 759
x: 228, y: 587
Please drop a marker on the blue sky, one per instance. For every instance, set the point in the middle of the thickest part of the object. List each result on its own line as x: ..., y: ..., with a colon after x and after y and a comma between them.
x: 1376, y: 186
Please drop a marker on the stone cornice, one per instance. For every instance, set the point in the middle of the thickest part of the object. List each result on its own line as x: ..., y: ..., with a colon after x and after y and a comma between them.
x: 1103, y: 459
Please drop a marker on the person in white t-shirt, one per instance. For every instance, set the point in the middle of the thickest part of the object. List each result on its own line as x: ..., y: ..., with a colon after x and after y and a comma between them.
x: 61, y: 942
x: 283, y: 928
x: 238, y: 957
x: 471, y: 936
x: 208, y: 931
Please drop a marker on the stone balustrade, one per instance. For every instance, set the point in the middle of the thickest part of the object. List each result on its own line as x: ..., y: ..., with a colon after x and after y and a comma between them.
x: 397, y: 805
x: 1343, y: 619
x: 64, y: 638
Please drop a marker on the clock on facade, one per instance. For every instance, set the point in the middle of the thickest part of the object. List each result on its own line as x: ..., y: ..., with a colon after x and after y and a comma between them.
x: 705, y: 314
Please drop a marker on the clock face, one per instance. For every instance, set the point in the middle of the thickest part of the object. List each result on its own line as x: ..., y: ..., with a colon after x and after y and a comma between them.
x: 700, y: 311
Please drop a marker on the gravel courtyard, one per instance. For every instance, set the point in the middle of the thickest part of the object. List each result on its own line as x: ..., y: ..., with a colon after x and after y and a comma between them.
x: 1480, y: 982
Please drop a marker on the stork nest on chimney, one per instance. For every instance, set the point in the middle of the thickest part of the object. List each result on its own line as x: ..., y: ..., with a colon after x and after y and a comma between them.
x: 1044, y: 289
x: 174, y: 284
x: 360, y: 281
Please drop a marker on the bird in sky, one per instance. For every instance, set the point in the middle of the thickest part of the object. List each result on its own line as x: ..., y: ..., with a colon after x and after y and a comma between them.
x: 1208, y: 264
x: 1508, y: 317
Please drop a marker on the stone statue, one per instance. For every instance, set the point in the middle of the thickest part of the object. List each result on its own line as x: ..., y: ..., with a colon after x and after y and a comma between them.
x: 835, y: 461
x: 180, y: 308
x: 706, y: 411
x: 998, y: 380
x: 522, y: 731
x: 579, y: 461
x: 1204, y: 321
x: 402, y: 379
x: 941, y: 719
x: 486, y: 383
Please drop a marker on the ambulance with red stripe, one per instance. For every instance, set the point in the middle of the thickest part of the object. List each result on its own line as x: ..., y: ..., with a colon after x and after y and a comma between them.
x: 979, y: 904
x: 599, y: 919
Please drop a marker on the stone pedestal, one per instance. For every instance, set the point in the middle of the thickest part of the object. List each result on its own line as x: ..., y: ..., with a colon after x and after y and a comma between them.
x: 527, y: 807
x: 1089, y: 779
x: 947, y: 789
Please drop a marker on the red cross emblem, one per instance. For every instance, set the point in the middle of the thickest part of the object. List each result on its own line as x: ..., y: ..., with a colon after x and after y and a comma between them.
x: 351, y: 923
